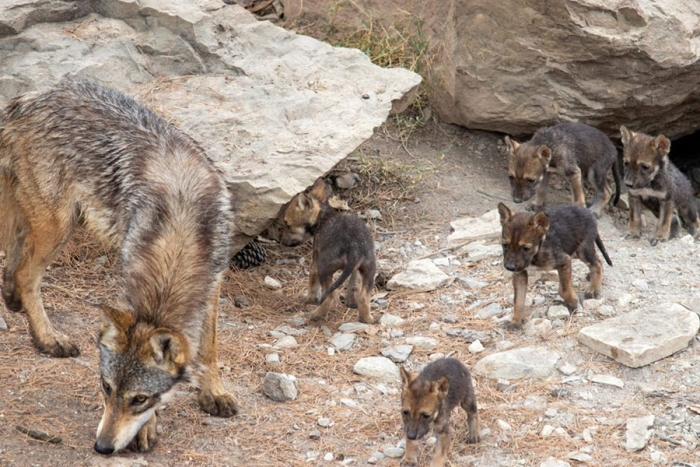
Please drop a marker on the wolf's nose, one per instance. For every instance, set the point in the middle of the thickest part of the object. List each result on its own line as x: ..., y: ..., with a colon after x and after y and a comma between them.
x: 411, y: 436
x: 106, y: 450
x: 510, y: 267
x: 517, y: 200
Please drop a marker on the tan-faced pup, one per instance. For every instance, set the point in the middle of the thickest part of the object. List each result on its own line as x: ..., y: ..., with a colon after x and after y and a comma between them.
x: 653, y: 181
x: 342, y: 242
x: 427, y: 401
x: 574, y: 150
x: 550, y: 240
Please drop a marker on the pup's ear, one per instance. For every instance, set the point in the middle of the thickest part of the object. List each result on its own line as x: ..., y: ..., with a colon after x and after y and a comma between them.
x: 304, y: 202
x: 504, y: 212
x: 541, y: 221
x: 662, y: 145
x: 115, y: 324
x: 626, y: 135
x: 406, y: 377
x: 321, y: 190
x: 544, y: 154
x: 441, y: 387
x: 169, y: 349
x: 511, y: 145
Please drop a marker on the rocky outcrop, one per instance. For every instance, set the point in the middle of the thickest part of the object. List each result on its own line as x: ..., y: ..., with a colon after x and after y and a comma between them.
x: 273, y: 109
x: 516, y: 65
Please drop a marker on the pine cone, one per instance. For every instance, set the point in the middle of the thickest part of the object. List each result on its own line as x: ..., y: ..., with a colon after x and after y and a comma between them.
x: 250, y: 256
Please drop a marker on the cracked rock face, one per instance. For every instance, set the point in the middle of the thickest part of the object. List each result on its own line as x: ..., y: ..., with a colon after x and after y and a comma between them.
x: 514, y: 66
x: 273, y: 109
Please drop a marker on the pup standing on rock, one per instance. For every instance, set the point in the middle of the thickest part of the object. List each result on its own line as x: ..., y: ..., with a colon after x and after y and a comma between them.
x: 574, y: 150
x: 428, y: 399
x: 550, y: 240
x: 342, y: 242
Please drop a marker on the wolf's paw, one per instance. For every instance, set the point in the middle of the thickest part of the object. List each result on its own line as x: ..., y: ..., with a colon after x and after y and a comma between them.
x: 572, y: 306
x: 633, y: 236
x: 593, y: 294
x: 58, y: 347
x: 656, y: 240
x: 512, y: 325
x: 351, y: 303
x: 12, y: 300
x: 367, y: 319
x: 409, y: 463
x: 317, y: 315
x: 473, y: 439
x: 219, y: 405
x: 146, y: 438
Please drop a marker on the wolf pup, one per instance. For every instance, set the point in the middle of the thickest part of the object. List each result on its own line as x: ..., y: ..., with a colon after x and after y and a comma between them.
x: 549, y: 240
x: 653, y: 180
x: 342, y: 242
x: 428, y: 400
x: 80, y: 153
x: 572, y: 149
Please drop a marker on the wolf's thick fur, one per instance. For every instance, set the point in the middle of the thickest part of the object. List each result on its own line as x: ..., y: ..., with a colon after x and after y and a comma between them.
x: 428, y: 400
x: 342, y: 242
x: 80, y: 153
x: 574, y: 150
x: 550, y: 240
x: 653, y: 181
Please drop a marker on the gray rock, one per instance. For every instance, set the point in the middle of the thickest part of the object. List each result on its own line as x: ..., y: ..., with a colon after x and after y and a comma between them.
x: 475, y: 347
x: 390, y: 320
x: 449, y: 318
x: 580, y: 457
x: 638, y: 433
x: 3, y: 324
x: 352, y: 327
x: 290, y: 331
x: 324, y: 422
x: 349, y: 403
x: 441, y: 261
x: 525, y: 362
x: 393, y: 452
x: 567, y: 369
x: 425, y: 343
x: 470, y: 229
x: 315, y: 434
x: 347, y: 180
x: 640, y: 284
x: 552, y: 462
x: 273, y: 360
x: 641, y: 337
x: 377, y: 367
x: 538, y: 327
x: 471, y: 283
x: 272, y: 283
x: 397, y: 353
x: 493, y: 309
x: 419, y: 276
x: 471, y: 335
x: 557, y: 312
x: 241, y: 301
x: 287, y: 342
x: 478, y: 251
x: 608, y: 380
x: 342, y: 341
x: 280, y: 387
x: 245, y: 89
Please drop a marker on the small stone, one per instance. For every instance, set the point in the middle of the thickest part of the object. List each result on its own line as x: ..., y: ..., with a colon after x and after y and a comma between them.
x: 547, y: 430
x: 390, y: 320
x: 587, y: 435
x: 347, y: 180
x: 425, y: 343
x: 559, y: 392
x: 372, y: 460
x: 311, y: 455
x: 503, y: 425
x: 605, y: 310
x: 538, y: 327
x: 471, y: 283
x: 397, y: 353
x: 3, y: 324
x: 352, y: 327
x: 393, y: 452
x: 378, y: 367
x: 489, y: 311
x: 324, y: 422
x: 434, y: 327
x: 567, y: 369
x: 328, y: 456
x: 349, y: 403
x: 343, y: 341
x: 291, y: 331
x: 503, y: 385
x: 609, y: 380
x: 558, y: 312
x: 640, y: 284
x: 449, y: 318
x: 552, y: 462
x: 419, y: 276
x: 287, y: 342
x: 476, y: 347
x: 580, y: 457
x: 280, y: 387
x: 431, y: 441
x: 273, y: 360
x: 374, y: 214
x: 331, y: 351
x: 624, y: 300
x: 592, y: 304
x: 638, y: 433
x: 550, y: 412
x: 272, y: 284
x: 436, y: 356
x: 315, y: 434
x: 241, y: 301
x: 441, y: 261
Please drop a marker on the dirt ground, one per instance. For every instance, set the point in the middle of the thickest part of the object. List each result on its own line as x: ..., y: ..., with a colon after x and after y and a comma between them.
x: 419, y: 182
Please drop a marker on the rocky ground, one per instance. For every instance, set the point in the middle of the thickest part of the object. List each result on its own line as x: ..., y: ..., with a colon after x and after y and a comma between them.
x: 583, y: 410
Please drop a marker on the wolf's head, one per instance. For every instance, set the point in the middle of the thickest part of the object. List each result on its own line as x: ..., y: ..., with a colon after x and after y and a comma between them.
x: 300, y: 217
x: 421, y: 401
x: 139, y: 365
x: 527, y: 164
x: 521, y: 235
x: 642, y: 157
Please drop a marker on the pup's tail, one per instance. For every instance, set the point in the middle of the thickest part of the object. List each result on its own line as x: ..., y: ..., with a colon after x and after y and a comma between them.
x: 618, y: 185
x: 602, y: 249
x: 349, y: 268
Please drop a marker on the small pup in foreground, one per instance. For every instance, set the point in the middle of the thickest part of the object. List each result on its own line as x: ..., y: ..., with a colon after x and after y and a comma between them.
x: 574, y: 150
x: 653, y: 180
x: 342, y: 242
x: 428, y: 399
x: 550, y: 240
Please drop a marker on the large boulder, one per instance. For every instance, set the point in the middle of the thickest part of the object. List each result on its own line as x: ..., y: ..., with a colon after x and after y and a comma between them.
x: 275, y: 110
x: 516, y: 65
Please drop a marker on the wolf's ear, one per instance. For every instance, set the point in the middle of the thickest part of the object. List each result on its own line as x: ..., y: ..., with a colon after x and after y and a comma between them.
x: 626, y: 135
x: 406, y: 377
x: 321, y: 190
x: 511, y: 145
x: 544, y: 153
x: 662, y: 144
x: 304, y: 202
x: 169, y: 348
x: 441, y: 387
x: 115, y: 323
x: 504, y: 212
x: 541, y: 221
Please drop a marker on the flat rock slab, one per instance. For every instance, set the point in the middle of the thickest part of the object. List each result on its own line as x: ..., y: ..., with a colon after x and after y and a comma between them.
x: 273, y: 109
x: 638, y: 433
x: 397, y: 353
x: 419, y: 276
x: 641, y: 337
x: 377, y: 367
x: 469, y: 229
x: 525, y: 362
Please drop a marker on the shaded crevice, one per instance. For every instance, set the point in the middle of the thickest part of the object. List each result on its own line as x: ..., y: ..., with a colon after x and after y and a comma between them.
x: 685, y: 154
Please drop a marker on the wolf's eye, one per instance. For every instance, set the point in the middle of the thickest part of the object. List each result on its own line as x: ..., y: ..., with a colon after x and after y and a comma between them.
x: 511, y: 177
x: 527, y: 248
x: 426, y: 415
x: 505, y: 246
x: 405, y: 413
x: 139, y: 400
x: 646, y: 167
x: 106, y: 388
x: 625, y: 163
x: 531, y: 181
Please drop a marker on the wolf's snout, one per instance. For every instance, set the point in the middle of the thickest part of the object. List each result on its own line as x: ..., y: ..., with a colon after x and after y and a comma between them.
x: 106, y: 450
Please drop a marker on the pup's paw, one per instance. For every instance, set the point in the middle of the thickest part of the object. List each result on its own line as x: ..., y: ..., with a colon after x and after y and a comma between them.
x: 219, y: 405
x: 512, y: 325
x: 593, y: 294
x: 409, y: 463
x: 58, y: 346
x: 473, y: 439
x: 631, y: 236
x: 656, y: 240
x: 146, y: 438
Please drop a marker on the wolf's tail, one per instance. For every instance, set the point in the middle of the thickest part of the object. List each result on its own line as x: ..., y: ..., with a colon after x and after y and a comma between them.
x: 616, y: 176
x: 601, y: 247
x: 349, y: 268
